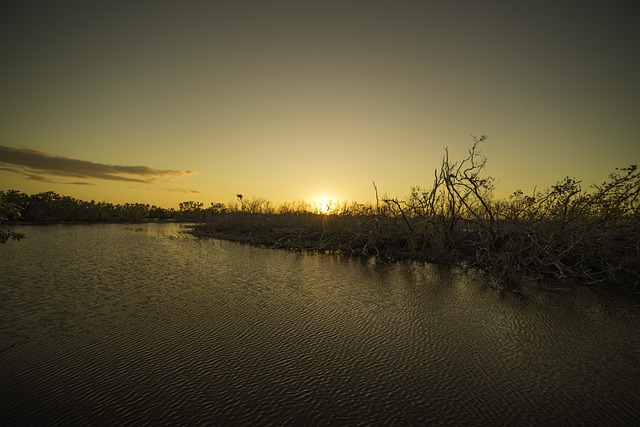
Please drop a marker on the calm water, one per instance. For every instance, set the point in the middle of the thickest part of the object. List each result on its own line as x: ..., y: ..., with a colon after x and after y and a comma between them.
x: 137, y: 324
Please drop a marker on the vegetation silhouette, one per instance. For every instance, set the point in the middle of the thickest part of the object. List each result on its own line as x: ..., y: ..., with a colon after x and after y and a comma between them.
x: 563, y: 232
x: 50, y: 207
x: 8, y: 210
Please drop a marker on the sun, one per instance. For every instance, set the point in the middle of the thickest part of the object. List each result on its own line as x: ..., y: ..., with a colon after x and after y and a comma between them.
x: 323, y: 204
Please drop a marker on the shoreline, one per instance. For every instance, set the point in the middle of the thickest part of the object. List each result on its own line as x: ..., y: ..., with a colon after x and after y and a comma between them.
x: 615, y: 300
x: 367, y: 245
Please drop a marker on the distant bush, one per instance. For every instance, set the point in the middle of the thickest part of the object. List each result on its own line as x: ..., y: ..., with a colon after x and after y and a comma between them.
x: 50, y: 207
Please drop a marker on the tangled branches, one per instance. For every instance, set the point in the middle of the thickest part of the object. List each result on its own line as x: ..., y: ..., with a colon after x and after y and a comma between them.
x: 563, y: 232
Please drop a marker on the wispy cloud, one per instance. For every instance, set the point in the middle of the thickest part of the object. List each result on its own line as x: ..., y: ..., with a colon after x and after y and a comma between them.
x: 41, y: 178
x: 180, y: 190
x: 36, y: 165
x: 173, y: 190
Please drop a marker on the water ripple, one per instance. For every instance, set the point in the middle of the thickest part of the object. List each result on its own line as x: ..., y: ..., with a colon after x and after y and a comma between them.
x: 130, y: 325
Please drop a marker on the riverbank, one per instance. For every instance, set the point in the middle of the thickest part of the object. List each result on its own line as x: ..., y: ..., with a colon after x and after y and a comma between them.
x: 512, y: 253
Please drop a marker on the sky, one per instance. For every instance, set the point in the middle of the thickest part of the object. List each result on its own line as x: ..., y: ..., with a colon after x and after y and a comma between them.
x: 167, y: 101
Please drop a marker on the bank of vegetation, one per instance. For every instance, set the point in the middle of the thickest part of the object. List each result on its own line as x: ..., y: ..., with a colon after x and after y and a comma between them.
x: 564, y: 232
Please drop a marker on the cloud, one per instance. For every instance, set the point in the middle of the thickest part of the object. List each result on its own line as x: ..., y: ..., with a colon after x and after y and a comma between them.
x: 180, y: 190
x: 4, y: 168
x: 33, y: 164
x: 173, y: 190
x: 41, y: 178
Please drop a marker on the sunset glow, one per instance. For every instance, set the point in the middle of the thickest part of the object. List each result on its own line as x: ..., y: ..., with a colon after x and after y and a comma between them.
x: 166, y: 103
x: 329, y: 212
x: 324, y: 204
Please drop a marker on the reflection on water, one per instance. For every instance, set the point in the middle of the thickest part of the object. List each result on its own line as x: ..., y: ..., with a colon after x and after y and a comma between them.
x: 139, y: 323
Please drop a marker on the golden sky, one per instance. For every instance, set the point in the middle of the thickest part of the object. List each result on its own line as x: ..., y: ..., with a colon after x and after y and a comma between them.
x: 166, y: 101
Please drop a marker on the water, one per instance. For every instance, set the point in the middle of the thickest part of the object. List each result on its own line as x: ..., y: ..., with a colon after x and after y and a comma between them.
x: 139, y: 324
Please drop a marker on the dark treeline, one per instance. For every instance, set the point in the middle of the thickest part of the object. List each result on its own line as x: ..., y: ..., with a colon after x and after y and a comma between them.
x: 50, y: 207
x: 563, y: 232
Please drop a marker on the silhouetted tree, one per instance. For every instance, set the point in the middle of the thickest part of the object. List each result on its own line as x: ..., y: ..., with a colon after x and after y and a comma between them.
x: 8, y: 210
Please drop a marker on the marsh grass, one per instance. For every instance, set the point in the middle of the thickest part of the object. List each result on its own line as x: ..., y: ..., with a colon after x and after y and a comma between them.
x: 563, y: 232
